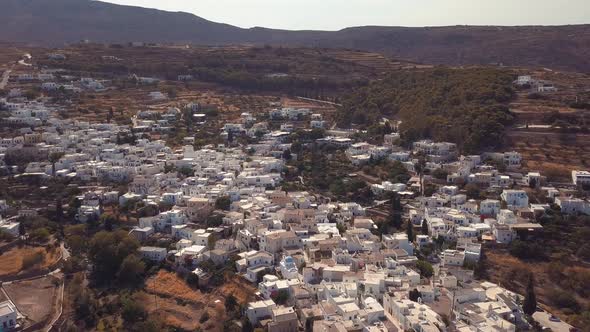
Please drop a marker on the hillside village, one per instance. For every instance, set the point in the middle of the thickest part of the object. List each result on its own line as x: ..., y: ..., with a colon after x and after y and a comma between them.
x: 408, y: 256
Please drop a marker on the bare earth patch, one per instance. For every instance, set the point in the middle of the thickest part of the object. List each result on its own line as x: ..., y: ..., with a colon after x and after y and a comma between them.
x: 34, y: 298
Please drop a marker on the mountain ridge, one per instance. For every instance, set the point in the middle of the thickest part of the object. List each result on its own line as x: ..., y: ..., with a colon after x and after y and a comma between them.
x: 55, y: 22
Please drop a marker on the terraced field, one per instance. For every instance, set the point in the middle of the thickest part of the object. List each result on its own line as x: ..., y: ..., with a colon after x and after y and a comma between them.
x: 538, y: 133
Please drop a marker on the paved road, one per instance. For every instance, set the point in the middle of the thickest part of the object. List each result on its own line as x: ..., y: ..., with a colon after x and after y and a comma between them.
x: 543, y: 318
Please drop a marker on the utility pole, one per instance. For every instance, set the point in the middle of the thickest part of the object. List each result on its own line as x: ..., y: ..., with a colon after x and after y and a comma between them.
x: 452, y: 307
x: 155, y: 294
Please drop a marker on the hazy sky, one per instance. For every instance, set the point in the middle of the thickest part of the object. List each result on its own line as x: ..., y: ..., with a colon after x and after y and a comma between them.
x: 337, y: 14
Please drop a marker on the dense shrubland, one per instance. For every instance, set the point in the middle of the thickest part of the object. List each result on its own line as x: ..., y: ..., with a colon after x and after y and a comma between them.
x: 464, y: 106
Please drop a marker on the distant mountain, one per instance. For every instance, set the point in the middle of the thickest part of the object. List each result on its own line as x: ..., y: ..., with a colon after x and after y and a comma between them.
x: 55, y: 22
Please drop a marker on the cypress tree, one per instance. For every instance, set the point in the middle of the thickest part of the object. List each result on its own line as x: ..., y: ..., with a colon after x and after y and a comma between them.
x: 410, y: 231
x: 424, y: 227
x: 59, y: 211
x: 530, y: 299
x: 396, y: 211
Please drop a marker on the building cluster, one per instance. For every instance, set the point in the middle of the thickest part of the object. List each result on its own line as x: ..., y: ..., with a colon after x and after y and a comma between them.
x: 316, y: 263
x: 535, y: 85
x: 54, y: 79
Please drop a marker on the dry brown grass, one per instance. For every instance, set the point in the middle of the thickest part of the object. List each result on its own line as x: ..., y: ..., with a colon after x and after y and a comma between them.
x: 512, y: 273
x: 178, y: 305
x: 553, y: 154
x: 174, y: 302
x: 243, y: 291
x: 169, y: 284
x: 11, y: 262
x: 184, y: 316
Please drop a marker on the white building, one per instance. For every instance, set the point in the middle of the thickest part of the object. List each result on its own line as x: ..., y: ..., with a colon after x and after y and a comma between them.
x: 8, y: 314
x: 157, y: 95
x: 288, y: 268
x: 570, y: 205
x: 154, y: 254
x: 259, y: 310
x: 512, y: 159
x: 524, y: 80
x: 411, y: 315
x: 503, y: 233
x: 581, y: 177
x: 453, y: 258
x: 398, y: 241
x: 489, y: 207
x: 515, y: 198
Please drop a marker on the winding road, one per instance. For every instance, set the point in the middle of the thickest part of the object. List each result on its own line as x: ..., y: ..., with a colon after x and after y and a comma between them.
x: 5, y: 77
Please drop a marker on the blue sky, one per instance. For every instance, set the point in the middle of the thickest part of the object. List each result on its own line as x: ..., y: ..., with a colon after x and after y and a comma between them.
x: 338, y: 14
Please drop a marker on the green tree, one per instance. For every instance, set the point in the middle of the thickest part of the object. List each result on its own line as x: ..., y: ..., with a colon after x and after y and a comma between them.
x: 530, y: 299
x: 107, y: 250
x: 426, y: 270
x: 440, y: 174
x: 150, y: 325
x: 281, y: 297
x: 59, y: 211
x: 479, y: 271
x: 424, y: 227
x: 247, y: 326
x: 131, y: 270
x: 230, y: 303
x: 85, y: 305
x: 73, y: 206
x: 193, y: 280
x: 54, y: 157
x: 341, y: 228
x: 108, y: 220
x: 527, y: 249
x: 429, y: 190
x: 204, y: 317
x: 395, y: 213
x: 472, y: 191
x: 296, y: 147
x: 287, y: 154
x: 533, y: 183
x: 33, y: 259
x: 40, y: 234
x: 410, y: 231
x: 110, y: 115
x: 415, y: 295
x: 398, y: 172
x: 22, y: 231
x: 223, y: 203
x: 186, y: 171
x: 132, y: 311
